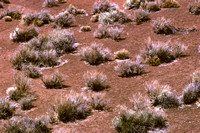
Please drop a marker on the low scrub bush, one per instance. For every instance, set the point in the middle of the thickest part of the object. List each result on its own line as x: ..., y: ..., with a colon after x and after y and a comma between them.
x: 108, y: 32
x: 32, y: 71
x: 23, y: 34
x: 157, y: 53
x: 73, y: 10
x: 103, y: 6
x: 194, y: 8
x: 49, y: 3
x: 27, y: 125
x: 113, y: 17
x: 23, y: 85
x: 95, y: 81
x: 141, y: 16
x: 54, y: 81
x: 85, y: 28
x: 170, y: 4
x: 141, y: 121
x: 72, y: 107
x: 128, y: 68
x: 95, y: 54
x: 48, y: 58
x: 5, y: 1
x: 161, y: 95
x: 121, y: 54
x: 132, y: 4
x: 64, y: 19
x: 12, y: 12
x: 27, y: 101
x: 151, y: 6
x: 7, y: 109
x: 98, y: 102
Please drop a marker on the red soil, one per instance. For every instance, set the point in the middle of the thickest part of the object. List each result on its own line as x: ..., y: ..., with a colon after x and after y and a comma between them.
x: 177, y: 74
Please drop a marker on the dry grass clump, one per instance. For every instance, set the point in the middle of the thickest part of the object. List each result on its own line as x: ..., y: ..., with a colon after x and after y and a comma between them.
x: 85, y: 28
x: 151, y: 6
x: 98, y: 102
x: 103, y: 6
x: 108, y: 32
x: 31, y: 71
x: 95, y: 54
x: 27, y: 101
x: 23, y: 34
x: 161, y: 95
x: 72, y: 107
x: 73, y: 10
x: 194, y: 8
x: 128, y: 68
x: 54, y: 81
x: 157, y: 53
x: 121, y: 54
x: 38, y: 19
x: 64, y: 19
x: 49, y: 3
x: 170, y: 4
x: 27, y: 125
x: 15, y: 13
x: 95, y: 80
x: 132, y: 4
x: 113, y: 17
x: 141, y: 16
x: 140, y: 121
x: 7, y: 109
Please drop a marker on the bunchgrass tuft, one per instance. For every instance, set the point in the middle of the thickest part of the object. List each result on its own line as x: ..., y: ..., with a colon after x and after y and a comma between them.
x: 27, y: 101
x: 132, y: 4
x: 194, y: 8
x: 49, y: 3
x: 7, y: 109
x: 73, y: 10
x: 64, y: 19
x: 170, y: 4
x: 141, y: 16
x: 103, y: 6
x: 32, y: 71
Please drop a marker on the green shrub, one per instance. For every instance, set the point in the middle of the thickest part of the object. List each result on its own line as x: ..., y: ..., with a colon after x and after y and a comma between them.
x: 27, y: 101
x: 128, y: 68
x: 73, y: 10
x: 194, y: 8
x: 170, y: 4
x: 140, y: 121
x: 72, y: 107
x: 141, y: 16
x: 163, y: 26
x: 7, y: 109
x: 54, y: 81
x: 15, y: 13
x: 49, y: 3
x: 27, y: 125
x: 95, y: 55
x: 32, y: 71
x: 64, y: 19
x: 108, y: 32
x: 95, y: 81
x: 23, y: 86
x: 121, y: 54
x: 85, y: 28
x: 103, y: 6
x: 23, y: 34
x: 113, y: 17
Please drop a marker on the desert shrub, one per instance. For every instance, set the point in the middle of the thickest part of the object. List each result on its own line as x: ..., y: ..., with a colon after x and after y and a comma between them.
x: 95, y: 54
x: 161, y: 95
x: 23, y: 85
x: 151, y: 6
x: 85, y: 28
x: 121, y: 54
x: 63, y: 41
x: 32, y: 71
x: 108, y: 32
x: 73, y: 10
x: 27, y: 101
x: 7, y: 18
x: 170, y: 4
x: 54, y: 81
x: 113, y: 17
x: 140, y: 121
x: 7, y: 109
x: 27, y: 125
x: 72, y: 107
x: 163, y: 26
x: 98, y: 102
x: 95, y: 18
x: 5, y: 1
x: 64, y: 19
x: 49, y: 3
x: 128, y: 68
x: 95, y: 80
x: 190, y: 94
x: 194, y: 8
x: 141, y: 16
x: 1, y: 4
x: 132, y: 4
x: 157, y: 53
x: 103, y: 6
x: 23, y: 34
x: 39, y: 43
x: 12, y: 12
x: 48, y: 58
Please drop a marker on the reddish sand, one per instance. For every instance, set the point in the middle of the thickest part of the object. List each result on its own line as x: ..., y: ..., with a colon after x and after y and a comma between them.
x: 177, y: 74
